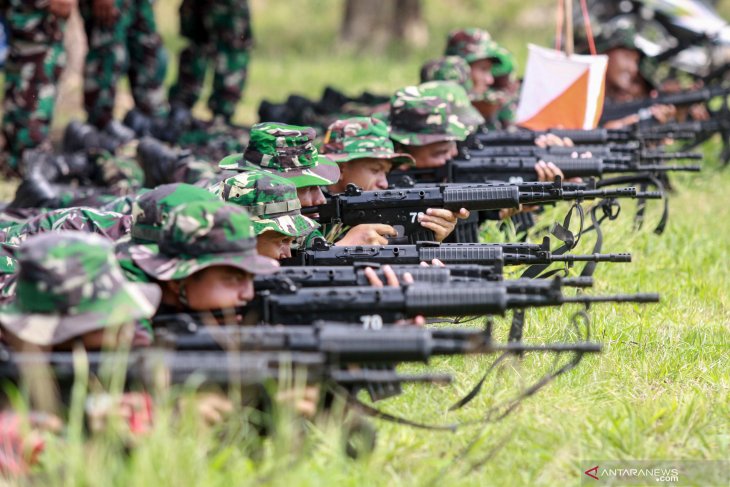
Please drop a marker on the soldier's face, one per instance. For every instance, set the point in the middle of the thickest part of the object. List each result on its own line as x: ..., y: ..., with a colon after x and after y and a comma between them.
x: 433, y: 155
x: 274, y: 245
x: 623, y: 69
x: 369, y: 174
x: 481, y: 75
x: 217, y: 287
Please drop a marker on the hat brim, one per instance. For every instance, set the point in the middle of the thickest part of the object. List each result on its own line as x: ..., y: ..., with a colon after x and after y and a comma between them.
x: 135, y: 301
x: 411, y: 138
x: 325, y: 173
x: 166, y: 268
x: 396, y: 158
x: 298, y: 226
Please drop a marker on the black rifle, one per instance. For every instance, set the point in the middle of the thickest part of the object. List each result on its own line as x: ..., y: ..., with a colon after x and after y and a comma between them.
x: 374, y: 306
x: 400, y: 207
x: 579, y: 137
x: 322, y: 276
x: 616, y: 111
x: 323, y: 254
x: 627, y: 153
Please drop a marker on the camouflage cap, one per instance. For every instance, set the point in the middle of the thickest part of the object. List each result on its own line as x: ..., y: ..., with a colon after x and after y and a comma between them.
x: 505, y: 62
x: 447, y: 68
x: 270, y: 200
x: 287, y: 150
x: 199, y: 235
x: 151, y: 209
x: 361, y: 137
x: 419, y: 119
x: 459, y: 100
x: 472, y: 44
x: 69, y: 284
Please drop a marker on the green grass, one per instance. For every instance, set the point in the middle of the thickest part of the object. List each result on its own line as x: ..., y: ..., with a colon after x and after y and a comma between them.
x: 660, y: 389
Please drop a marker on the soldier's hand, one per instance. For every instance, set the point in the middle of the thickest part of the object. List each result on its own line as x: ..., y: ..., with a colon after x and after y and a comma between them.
x: 213, y: 407
x: 441, y: 221
x: 20, y: 448
x: 391, y: 280
x: 105, y: 12
x: 62, y: 8
x: 302, y: 400
x: 368, y: 234
x: 548, y: 140
x: 546, y: 171
x: 663, y: 113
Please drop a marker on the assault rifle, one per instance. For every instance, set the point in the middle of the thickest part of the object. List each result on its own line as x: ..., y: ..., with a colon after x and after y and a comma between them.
x: 322, y: 276
x: 519, y: 169
x: 579, y: 137
x: 497, y: 255
x: 373, y: 306
x: 618, y: 153
x: 616, y: 111
x: 400, y: 207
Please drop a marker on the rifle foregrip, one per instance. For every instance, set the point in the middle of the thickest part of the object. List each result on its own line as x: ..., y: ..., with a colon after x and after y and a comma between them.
x: 484, y: 198
x: 456, y: 301
x: 580, y: 167
x: 463, y: 255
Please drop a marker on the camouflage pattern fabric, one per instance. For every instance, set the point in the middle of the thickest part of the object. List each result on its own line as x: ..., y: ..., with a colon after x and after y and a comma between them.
x: 35, y: 61
x: 119, y: 171
x: 361, y: 137
x: 130, y: 46
x: 447, y: 68
x: 472, y: 44
x: 200, y: 235
x: 214, y: 141
x: 270, y: 200
x: 69, y: 284
x: 219, y: 33
x: 288, y: 151
x: 111, y: 226
x: 505, y: 62
x: 458, y: 99
x: 420, y: 119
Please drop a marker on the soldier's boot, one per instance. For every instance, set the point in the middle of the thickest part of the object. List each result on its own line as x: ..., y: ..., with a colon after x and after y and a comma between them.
x: 58, y: 168
x: 119, y: 132
x: 82, y: 137
x: 159, y: 162
x: 140, y: 123
x: 35, y: 191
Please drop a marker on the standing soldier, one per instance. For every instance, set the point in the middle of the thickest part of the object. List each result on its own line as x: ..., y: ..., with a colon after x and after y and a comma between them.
x: 34, y: 65
x: 219, y: 33
x: 123, y: 38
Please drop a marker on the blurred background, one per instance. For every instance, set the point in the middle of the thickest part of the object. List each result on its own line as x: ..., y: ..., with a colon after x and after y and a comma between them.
x: 304, y: 45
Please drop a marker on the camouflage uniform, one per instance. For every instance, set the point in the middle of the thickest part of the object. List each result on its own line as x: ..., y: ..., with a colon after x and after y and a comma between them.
x: 149, y: 213
x: 418, y: 118
x: 68, y: 285
x: 130, y: 46
x: 199, y: 235
x: 112, y: 226
x: 219, y: 32
x: 447, y: 68
x: 285, y: 150
x: 270, y: 200
x: 35, y: 61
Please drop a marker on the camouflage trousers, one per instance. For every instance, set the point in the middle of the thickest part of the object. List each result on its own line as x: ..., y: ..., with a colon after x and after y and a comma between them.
x: 219, y: 33
x: 131, y: 46
x: 35, y: 61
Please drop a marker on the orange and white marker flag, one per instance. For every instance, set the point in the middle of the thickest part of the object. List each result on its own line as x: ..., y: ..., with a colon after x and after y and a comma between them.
x: 561, y: 91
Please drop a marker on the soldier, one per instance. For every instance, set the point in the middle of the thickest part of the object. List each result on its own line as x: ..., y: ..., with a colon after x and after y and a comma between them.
x: 123, y: 38
x: 70, y: 287
x: 219, y: 33
x: 274, y: 208
x: 205, y: 259
x: 287, y: 151
x: 35, y: 61
x: 490, y: 65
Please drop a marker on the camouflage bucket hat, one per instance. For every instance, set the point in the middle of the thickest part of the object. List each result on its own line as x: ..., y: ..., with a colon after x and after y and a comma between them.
x: 69, y: 284
x: 471, y: 44
x: 420, y: 119
x: 199, y: 235
x: 504, y: 62
x: 152, y: 208
x: 458, y: 98
x: 448, y: 68
x: 270, y: 200
x: 361, y: 137
x: 287, y: 150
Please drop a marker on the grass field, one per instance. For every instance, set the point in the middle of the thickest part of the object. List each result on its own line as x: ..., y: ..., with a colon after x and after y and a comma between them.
x: 659, y: 390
